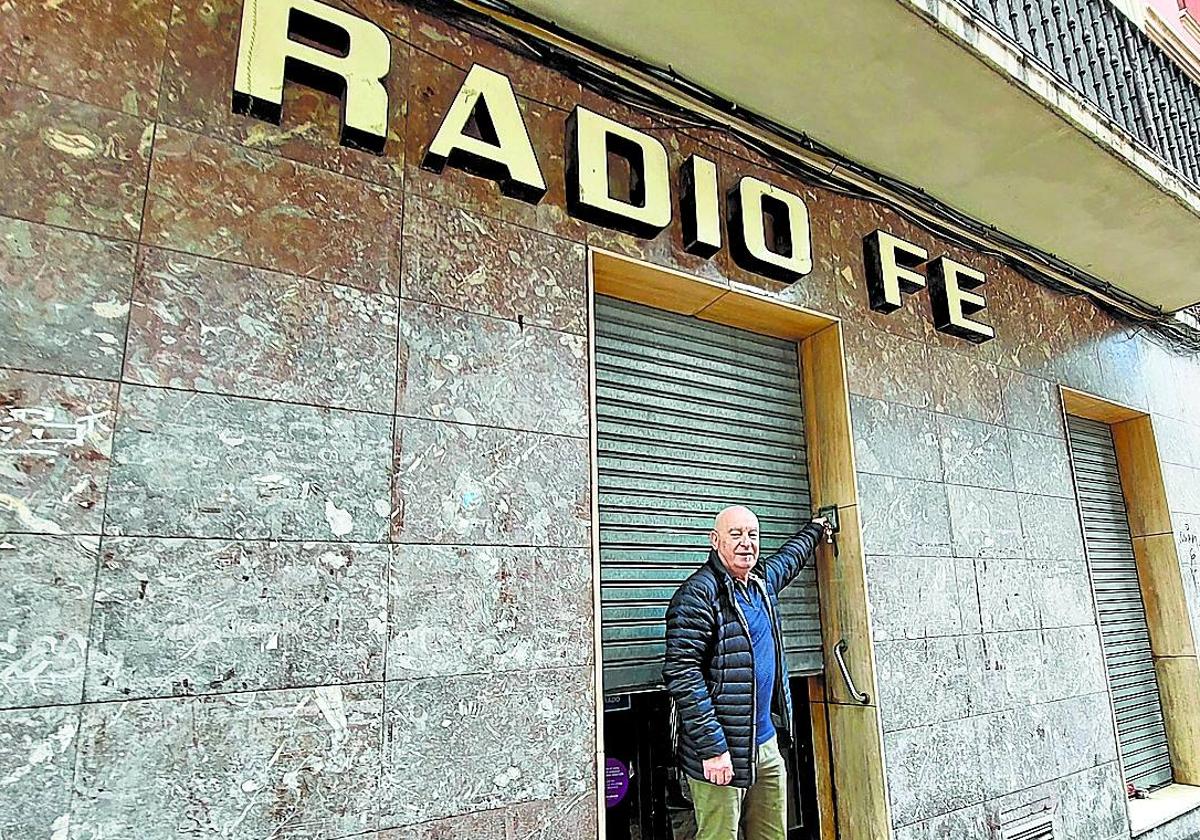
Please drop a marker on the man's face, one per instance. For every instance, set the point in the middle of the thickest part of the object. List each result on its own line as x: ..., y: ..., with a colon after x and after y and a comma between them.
x: 735, y: 538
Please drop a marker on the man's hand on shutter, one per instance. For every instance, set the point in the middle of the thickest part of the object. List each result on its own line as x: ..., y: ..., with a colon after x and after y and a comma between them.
x: 719, y: 770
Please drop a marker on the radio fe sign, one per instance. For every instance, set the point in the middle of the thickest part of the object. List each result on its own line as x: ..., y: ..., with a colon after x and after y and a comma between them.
x: 484, y: 133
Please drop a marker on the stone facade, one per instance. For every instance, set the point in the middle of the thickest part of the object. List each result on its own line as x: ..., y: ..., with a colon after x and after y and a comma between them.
x: 296, y: 498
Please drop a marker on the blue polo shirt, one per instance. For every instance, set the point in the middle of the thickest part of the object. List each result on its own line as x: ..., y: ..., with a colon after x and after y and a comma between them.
x: 762, y: 639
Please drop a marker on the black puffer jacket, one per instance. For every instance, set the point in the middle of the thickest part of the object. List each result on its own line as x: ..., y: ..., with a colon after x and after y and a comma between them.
x: 709, y: 667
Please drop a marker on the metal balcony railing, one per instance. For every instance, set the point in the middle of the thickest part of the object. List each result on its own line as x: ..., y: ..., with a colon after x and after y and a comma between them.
x: 1101, y: 54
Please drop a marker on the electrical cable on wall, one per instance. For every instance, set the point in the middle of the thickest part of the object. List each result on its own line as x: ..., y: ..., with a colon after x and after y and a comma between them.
x: 606, y: 83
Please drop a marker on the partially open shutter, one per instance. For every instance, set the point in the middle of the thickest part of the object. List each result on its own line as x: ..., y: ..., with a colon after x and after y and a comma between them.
x: 691, y: 417
x: 1123, y: 627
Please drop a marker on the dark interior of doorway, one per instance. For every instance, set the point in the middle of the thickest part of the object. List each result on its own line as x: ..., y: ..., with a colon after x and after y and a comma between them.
x: 637, y: 732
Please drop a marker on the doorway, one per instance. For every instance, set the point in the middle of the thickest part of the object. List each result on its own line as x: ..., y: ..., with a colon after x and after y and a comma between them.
x: 841, y: 732
x: 691, y: 416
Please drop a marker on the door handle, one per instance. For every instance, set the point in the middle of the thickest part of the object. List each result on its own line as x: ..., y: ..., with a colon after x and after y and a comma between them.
x: 839, y: 653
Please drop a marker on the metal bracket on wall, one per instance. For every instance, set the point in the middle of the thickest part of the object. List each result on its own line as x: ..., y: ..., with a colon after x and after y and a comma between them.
x: 839, y: 653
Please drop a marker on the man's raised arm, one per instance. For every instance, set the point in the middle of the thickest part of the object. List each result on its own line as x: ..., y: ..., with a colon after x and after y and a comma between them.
x: 783, y: 566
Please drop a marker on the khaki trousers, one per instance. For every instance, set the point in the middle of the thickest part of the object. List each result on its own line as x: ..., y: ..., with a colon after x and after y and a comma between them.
x: 719, y: 808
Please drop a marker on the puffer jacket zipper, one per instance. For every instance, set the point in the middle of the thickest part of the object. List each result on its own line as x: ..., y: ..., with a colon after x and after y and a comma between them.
x: 753, y: 688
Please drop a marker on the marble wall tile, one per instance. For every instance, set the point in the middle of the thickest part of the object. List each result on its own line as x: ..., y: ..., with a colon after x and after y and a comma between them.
x: 55, y: 446
x: 965, y: 386
x: 37, y: 762
x: 460, y: 744
x: 984, y: 523
x: 72, y: 164
x: 1006, y: 594
x: 1031, y: 745
x: 928, y: 681
x: 102, y: 52
x: 1118, y: 353
x: 1029, y: 326
x: 1014, y: 672
x: 886, y: 367
x: 209, y: 466
x: 566, y: 818
x: 1081, y: 731
x: 300, y: 763
x: 832, y: 287
x: 1041, y: 464
x: 1062, y: 593
x: 177, y: 617
x: 460, y: 259
x: 1078, y: 366
x: 894, y: 439
x: 1178, y: 441
x: 1051, y: 528
x: 965, y: 824
x: 1191, y: 594
x: 902, y: 516
x: 1187, y: 547
x: 1075, y: 654
x: 975, y: 454
x: 483, y: 609
x: 1027, y: 667
x: 1032, y: 404
x: 440, y: 40
x: 922, y: 597
x: 1183, y: 487
x: 393, y: 18
x: 474, y: 485
x: 201, y: 57
x: 1187, y: 372
x: 433, y: 83
x: 45, y: 608
x: 490, y: 371
x: 206, y: 325
x: 1159, y: 370
x: 1091, y: 803
x: 65, y: 300
x: 217, y: 199
x: 1008, y: 740
x: 12, y: 40
x: 933, y: 770
x: 478, y: 825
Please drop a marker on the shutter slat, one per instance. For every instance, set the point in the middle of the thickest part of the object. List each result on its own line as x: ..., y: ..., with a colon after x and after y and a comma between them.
x: 1124, y: 630
x: 691, y: 417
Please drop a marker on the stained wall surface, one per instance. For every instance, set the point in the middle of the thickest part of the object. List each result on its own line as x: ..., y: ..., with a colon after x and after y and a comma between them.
x: 295, y: 470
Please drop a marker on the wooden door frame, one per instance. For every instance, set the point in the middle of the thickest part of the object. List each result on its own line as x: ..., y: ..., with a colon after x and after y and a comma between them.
x: 847, y: 734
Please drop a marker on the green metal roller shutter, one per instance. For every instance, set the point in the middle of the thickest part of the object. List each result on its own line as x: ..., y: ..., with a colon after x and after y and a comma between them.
x: 1124, y: 631
x: 691, y: 417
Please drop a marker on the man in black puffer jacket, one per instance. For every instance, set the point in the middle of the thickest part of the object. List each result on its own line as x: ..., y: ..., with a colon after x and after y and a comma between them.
x: 725, y: 671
